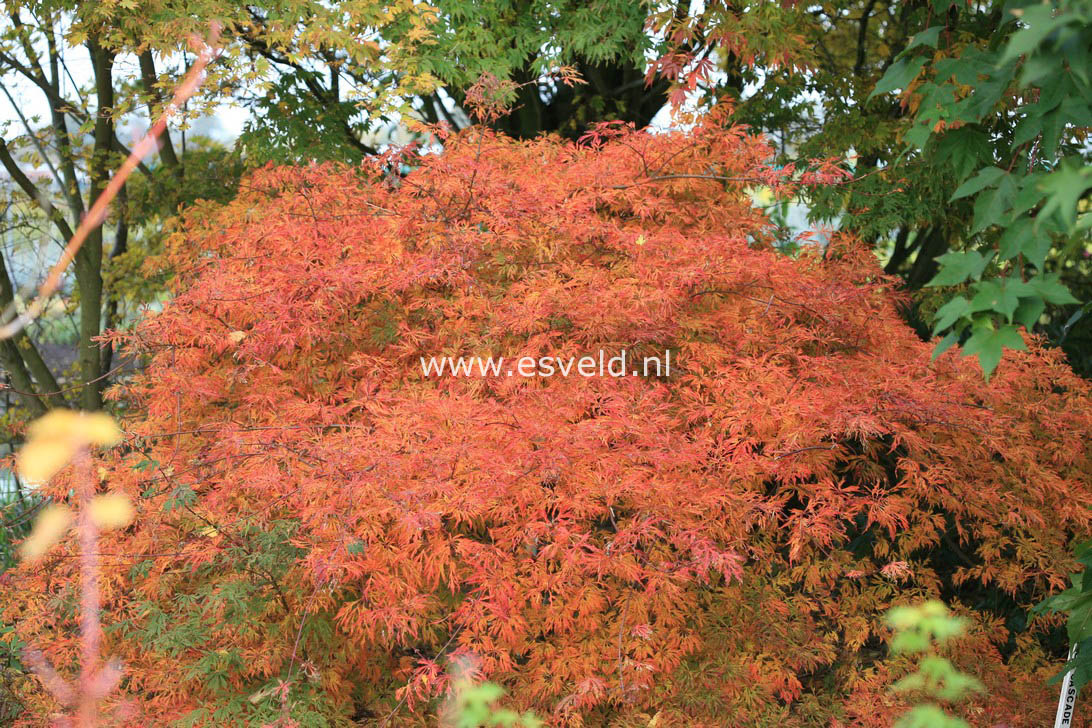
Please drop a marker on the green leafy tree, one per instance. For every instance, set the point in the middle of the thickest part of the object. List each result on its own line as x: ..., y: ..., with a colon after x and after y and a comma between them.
x: 971, y: 180
x: 132, y: 55
x: 306, y: 111
x: 1006, y: 119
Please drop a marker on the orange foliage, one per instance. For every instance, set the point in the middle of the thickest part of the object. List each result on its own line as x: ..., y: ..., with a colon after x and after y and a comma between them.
x: 322, y: 529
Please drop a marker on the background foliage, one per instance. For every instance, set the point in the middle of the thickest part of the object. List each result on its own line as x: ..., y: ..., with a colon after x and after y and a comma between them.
x: 973, y: 179
x: 321, y: 526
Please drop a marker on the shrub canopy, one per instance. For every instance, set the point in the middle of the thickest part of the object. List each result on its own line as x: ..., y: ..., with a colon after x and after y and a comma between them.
x: 323, y: 529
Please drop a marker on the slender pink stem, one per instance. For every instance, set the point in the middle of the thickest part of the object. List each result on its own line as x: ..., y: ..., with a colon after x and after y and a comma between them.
x: 90, y: 601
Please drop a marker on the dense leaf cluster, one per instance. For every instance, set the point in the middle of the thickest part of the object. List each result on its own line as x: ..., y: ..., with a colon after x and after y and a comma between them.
x: 322, y: 530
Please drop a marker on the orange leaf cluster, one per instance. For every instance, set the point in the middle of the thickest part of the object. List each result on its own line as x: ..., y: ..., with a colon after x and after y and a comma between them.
x: 322, y: 530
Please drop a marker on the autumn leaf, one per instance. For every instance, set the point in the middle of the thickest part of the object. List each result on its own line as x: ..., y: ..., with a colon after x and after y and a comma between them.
x: 50, y: 525
x: 111, y: 511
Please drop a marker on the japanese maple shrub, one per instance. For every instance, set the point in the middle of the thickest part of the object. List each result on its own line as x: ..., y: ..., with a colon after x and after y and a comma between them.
x: 323, y: 530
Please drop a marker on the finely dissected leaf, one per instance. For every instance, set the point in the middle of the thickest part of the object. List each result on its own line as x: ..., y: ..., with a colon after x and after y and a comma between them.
x: 325, y: 530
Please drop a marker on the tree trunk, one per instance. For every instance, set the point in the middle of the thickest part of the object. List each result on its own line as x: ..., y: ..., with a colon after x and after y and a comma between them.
x: 89, y: 258
x: 22, y: 361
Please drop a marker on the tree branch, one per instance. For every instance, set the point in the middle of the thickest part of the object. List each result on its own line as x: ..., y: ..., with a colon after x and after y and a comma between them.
x: 22, y: 359
x: 31, y: 190
x: 148, y: 80
x: 320, y: 93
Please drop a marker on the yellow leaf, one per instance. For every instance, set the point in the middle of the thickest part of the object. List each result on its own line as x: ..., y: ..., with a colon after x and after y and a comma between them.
x: 109, y: 511
x: 237, y: 336
x: 49, y: 527
x: 56, y: 424
x: 100, y: 429
x: 94, y: 428
x: 763, y: 196
x: 39, y: 460
x: 55, y: 437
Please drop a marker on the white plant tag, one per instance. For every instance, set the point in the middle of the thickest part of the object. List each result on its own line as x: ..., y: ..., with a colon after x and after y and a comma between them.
x: 1064, y: 719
